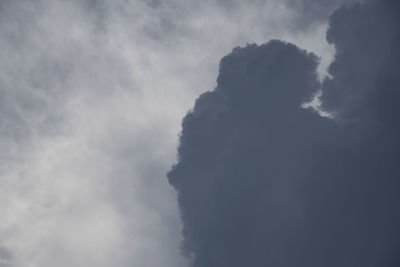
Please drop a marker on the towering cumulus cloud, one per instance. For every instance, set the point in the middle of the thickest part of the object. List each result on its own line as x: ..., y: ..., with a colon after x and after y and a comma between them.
x: 264, y: 182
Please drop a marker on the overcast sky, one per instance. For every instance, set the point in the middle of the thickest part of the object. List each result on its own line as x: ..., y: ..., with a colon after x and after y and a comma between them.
x: 92, y: 97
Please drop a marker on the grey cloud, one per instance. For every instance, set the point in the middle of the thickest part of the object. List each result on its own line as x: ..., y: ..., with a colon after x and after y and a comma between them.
x: 5, y: 254
x: 245, y: 151
x: 366, y: 39
x: 264, y: 182
x: 6, y: 257
x: 310, y: 11
x: 305, y: 13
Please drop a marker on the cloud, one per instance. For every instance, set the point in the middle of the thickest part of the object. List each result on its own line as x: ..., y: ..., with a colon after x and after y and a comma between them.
x: 244, y: 152
x: 5, y: 257
x: 79, y: 151
x: 262, y: 181
x: 91, y: 98
x: 366, y: 38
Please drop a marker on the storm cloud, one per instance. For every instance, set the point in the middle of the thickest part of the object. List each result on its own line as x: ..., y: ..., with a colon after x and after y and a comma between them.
x: 262, y: 181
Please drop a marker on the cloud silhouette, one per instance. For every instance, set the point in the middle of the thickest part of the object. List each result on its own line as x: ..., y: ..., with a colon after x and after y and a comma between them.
x: 264, y: 182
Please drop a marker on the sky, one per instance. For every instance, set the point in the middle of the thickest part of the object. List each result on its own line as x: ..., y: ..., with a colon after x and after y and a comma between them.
x: 199, y: 133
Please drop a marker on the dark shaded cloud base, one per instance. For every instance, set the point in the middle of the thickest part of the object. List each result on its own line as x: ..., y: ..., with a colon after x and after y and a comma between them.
x: 264, y: 182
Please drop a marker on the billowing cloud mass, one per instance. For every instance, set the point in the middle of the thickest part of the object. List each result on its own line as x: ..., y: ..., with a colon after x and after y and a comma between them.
x: 262, y: 181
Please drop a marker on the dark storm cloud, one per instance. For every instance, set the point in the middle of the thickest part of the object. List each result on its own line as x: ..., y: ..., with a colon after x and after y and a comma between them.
x: 245, y: 150
x: 263, y: 182
x: 367, y: 40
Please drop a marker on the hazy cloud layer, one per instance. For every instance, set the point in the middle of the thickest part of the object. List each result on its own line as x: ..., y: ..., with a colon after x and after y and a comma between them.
x: 262, y: 181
